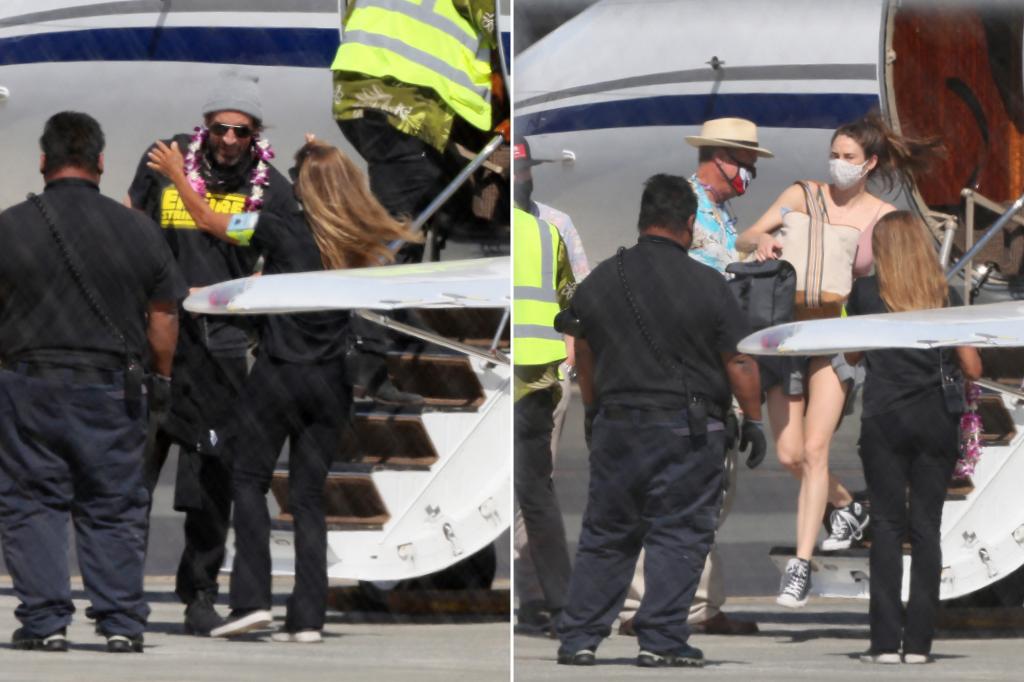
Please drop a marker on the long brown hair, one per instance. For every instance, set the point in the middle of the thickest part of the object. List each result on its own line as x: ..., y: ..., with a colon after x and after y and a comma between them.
x: 896, y: 153
x: 907, y: 265
x: 350, y: 226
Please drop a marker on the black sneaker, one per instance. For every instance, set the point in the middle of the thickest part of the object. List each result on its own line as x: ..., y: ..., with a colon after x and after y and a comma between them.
x: 55, y: 641
x: 388, y: 394
x: 535, y: 620
x: 124, y: 644
x: 240, y: 622
x: 848, y: 524
x: 688, y: 657
x: 581, y: 657
x: 796, y: 584
x: 201, y: 617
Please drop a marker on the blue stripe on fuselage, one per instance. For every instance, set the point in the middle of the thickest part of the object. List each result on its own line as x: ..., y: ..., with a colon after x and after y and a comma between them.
x: 300, y: 47
x: 770, y: 110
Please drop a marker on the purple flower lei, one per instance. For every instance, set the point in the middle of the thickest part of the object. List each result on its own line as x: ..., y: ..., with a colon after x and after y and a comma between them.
x: 259, y: 178
x: 970, y: 433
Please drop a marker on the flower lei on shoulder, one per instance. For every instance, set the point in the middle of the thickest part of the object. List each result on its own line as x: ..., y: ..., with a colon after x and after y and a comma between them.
x: 970, y: 434
x: 259, y: 178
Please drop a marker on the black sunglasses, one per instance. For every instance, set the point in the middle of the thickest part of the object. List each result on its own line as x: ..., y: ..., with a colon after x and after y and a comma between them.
x: 750, y: 168
x: 241, y: 132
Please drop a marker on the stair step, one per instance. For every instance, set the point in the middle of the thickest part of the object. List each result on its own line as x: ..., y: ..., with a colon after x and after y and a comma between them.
x: 997, y: 427
x: 434, y: 603
x: 472, y: 326
x: 351, y: 500
x: 1005, y: 365
x: 443, y: 380
x: 395, y: 440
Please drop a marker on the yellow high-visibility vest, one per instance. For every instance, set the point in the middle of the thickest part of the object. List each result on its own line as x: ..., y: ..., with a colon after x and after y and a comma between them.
x: 535, y: 281
x: 421, y: 42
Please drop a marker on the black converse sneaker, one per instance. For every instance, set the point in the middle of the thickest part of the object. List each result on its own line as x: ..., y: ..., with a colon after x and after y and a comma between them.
x: 848, y: 524
x: 796, y: 583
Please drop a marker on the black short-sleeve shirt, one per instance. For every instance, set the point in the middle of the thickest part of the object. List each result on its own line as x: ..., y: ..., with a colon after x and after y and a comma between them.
x: 203, y: 258
x: 121, y: 254
x: 691, y: 315
x: 896, y: 377
x: 289, y: 246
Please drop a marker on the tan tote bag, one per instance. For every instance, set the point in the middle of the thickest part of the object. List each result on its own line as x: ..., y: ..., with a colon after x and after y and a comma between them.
x: 822, y: 255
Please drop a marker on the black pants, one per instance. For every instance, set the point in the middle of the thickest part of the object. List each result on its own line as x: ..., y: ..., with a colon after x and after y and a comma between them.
x: 405, y: 172
x: 207, y: 513
x: 535, y: 492
x: 915, y: 446
x: 202, y: 487
x: 651, y: 486
x: 71, y: 449
x: 308, y: 405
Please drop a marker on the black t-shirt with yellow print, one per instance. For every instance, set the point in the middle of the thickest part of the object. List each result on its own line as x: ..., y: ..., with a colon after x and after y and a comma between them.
x: 202, y: 258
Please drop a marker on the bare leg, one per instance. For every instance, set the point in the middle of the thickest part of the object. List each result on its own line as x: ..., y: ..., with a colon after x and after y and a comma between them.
x: 786, y: 416
x: 825, y: 405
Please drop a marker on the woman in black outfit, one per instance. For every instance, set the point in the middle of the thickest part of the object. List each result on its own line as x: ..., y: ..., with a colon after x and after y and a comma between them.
x: 297, y: 389
x: 909, y: 437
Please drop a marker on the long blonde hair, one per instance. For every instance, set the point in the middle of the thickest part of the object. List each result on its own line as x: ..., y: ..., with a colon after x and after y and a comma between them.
x: 907, y: 265
x: 350, y: 226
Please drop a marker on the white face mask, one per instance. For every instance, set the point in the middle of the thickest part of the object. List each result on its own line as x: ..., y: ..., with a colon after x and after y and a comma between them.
x: 844, y: 174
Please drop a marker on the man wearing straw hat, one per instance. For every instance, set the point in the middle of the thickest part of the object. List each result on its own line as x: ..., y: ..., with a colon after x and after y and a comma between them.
x: 728, y: 153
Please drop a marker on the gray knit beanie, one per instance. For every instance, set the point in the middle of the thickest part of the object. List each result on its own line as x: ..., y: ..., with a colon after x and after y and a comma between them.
x: 235, y: 92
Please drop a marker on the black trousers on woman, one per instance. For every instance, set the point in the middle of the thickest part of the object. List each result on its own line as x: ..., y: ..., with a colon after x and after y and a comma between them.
x: 915, y: 446
x: 308, y: 405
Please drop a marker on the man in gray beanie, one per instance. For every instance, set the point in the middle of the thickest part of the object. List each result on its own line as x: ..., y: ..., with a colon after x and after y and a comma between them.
x: 218, y: 174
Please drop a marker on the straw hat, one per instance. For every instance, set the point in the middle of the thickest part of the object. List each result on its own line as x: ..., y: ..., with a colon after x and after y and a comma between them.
x: 738, y: 133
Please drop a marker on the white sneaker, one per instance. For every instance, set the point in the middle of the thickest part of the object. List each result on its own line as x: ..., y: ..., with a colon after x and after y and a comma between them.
x: 916, y: 659
x: 796, y: 583
x: 883, y: 658
x: 299, y: 637
x: 240, y: 623
x: 848, y: 524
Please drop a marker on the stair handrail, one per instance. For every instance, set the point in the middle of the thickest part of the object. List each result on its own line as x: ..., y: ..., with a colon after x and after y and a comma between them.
x: 494, y: 355
x: 1009, y: 214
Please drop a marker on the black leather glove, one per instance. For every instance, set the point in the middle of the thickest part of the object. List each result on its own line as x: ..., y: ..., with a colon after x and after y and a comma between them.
x: 752, y: 435
x: 159, y: 393
x: 588, y: 423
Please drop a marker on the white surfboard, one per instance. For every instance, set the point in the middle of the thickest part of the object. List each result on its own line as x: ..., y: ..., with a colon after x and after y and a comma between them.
x: 475, y: 283
x: 993, y: 324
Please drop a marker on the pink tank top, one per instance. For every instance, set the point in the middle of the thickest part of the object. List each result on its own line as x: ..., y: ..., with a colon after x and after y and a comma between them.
x: 864, y: 259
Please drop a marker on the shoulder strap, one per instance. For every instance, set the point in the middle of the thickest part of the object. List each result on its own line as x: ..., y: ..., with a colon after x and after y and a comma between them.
x: 815, y: 248
x: 70, y: 260
x: 659, y: 355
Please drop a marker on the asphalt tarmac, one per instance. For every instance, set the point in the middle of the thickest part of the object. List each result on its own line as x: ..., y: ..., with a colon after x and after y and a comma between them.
x: 821, y: 642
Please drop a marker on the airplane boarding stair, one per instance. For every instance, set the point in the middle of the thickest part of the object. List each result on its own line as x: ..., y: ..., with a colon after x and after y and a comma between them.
x: 416, y: 489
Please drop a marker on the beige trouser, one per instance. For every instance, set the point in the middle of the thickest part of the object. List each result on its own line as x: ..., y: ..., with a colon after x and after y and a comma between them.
x: 527, y: 587
x: 710, y: 596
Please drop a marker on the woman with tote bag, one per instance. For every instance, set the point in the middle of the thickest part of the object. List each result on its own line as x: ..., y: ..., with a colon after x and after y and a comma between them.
x: 824, y: 230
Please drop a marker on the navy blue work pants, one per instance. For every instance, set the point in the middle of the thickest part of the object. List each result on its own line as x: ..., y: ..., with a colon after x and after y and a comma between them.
x: 73, y: 449
x: 654, y: 487
x: 915, y: 446
x: 535, y: 493
x: 308, y: 405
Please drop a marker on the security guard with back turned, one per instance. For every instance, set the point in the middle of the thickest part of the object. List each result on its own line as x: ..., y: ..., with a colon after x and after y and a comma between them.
x: 543, y: 283
x: 86, y: 285
x: 656, y: 334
